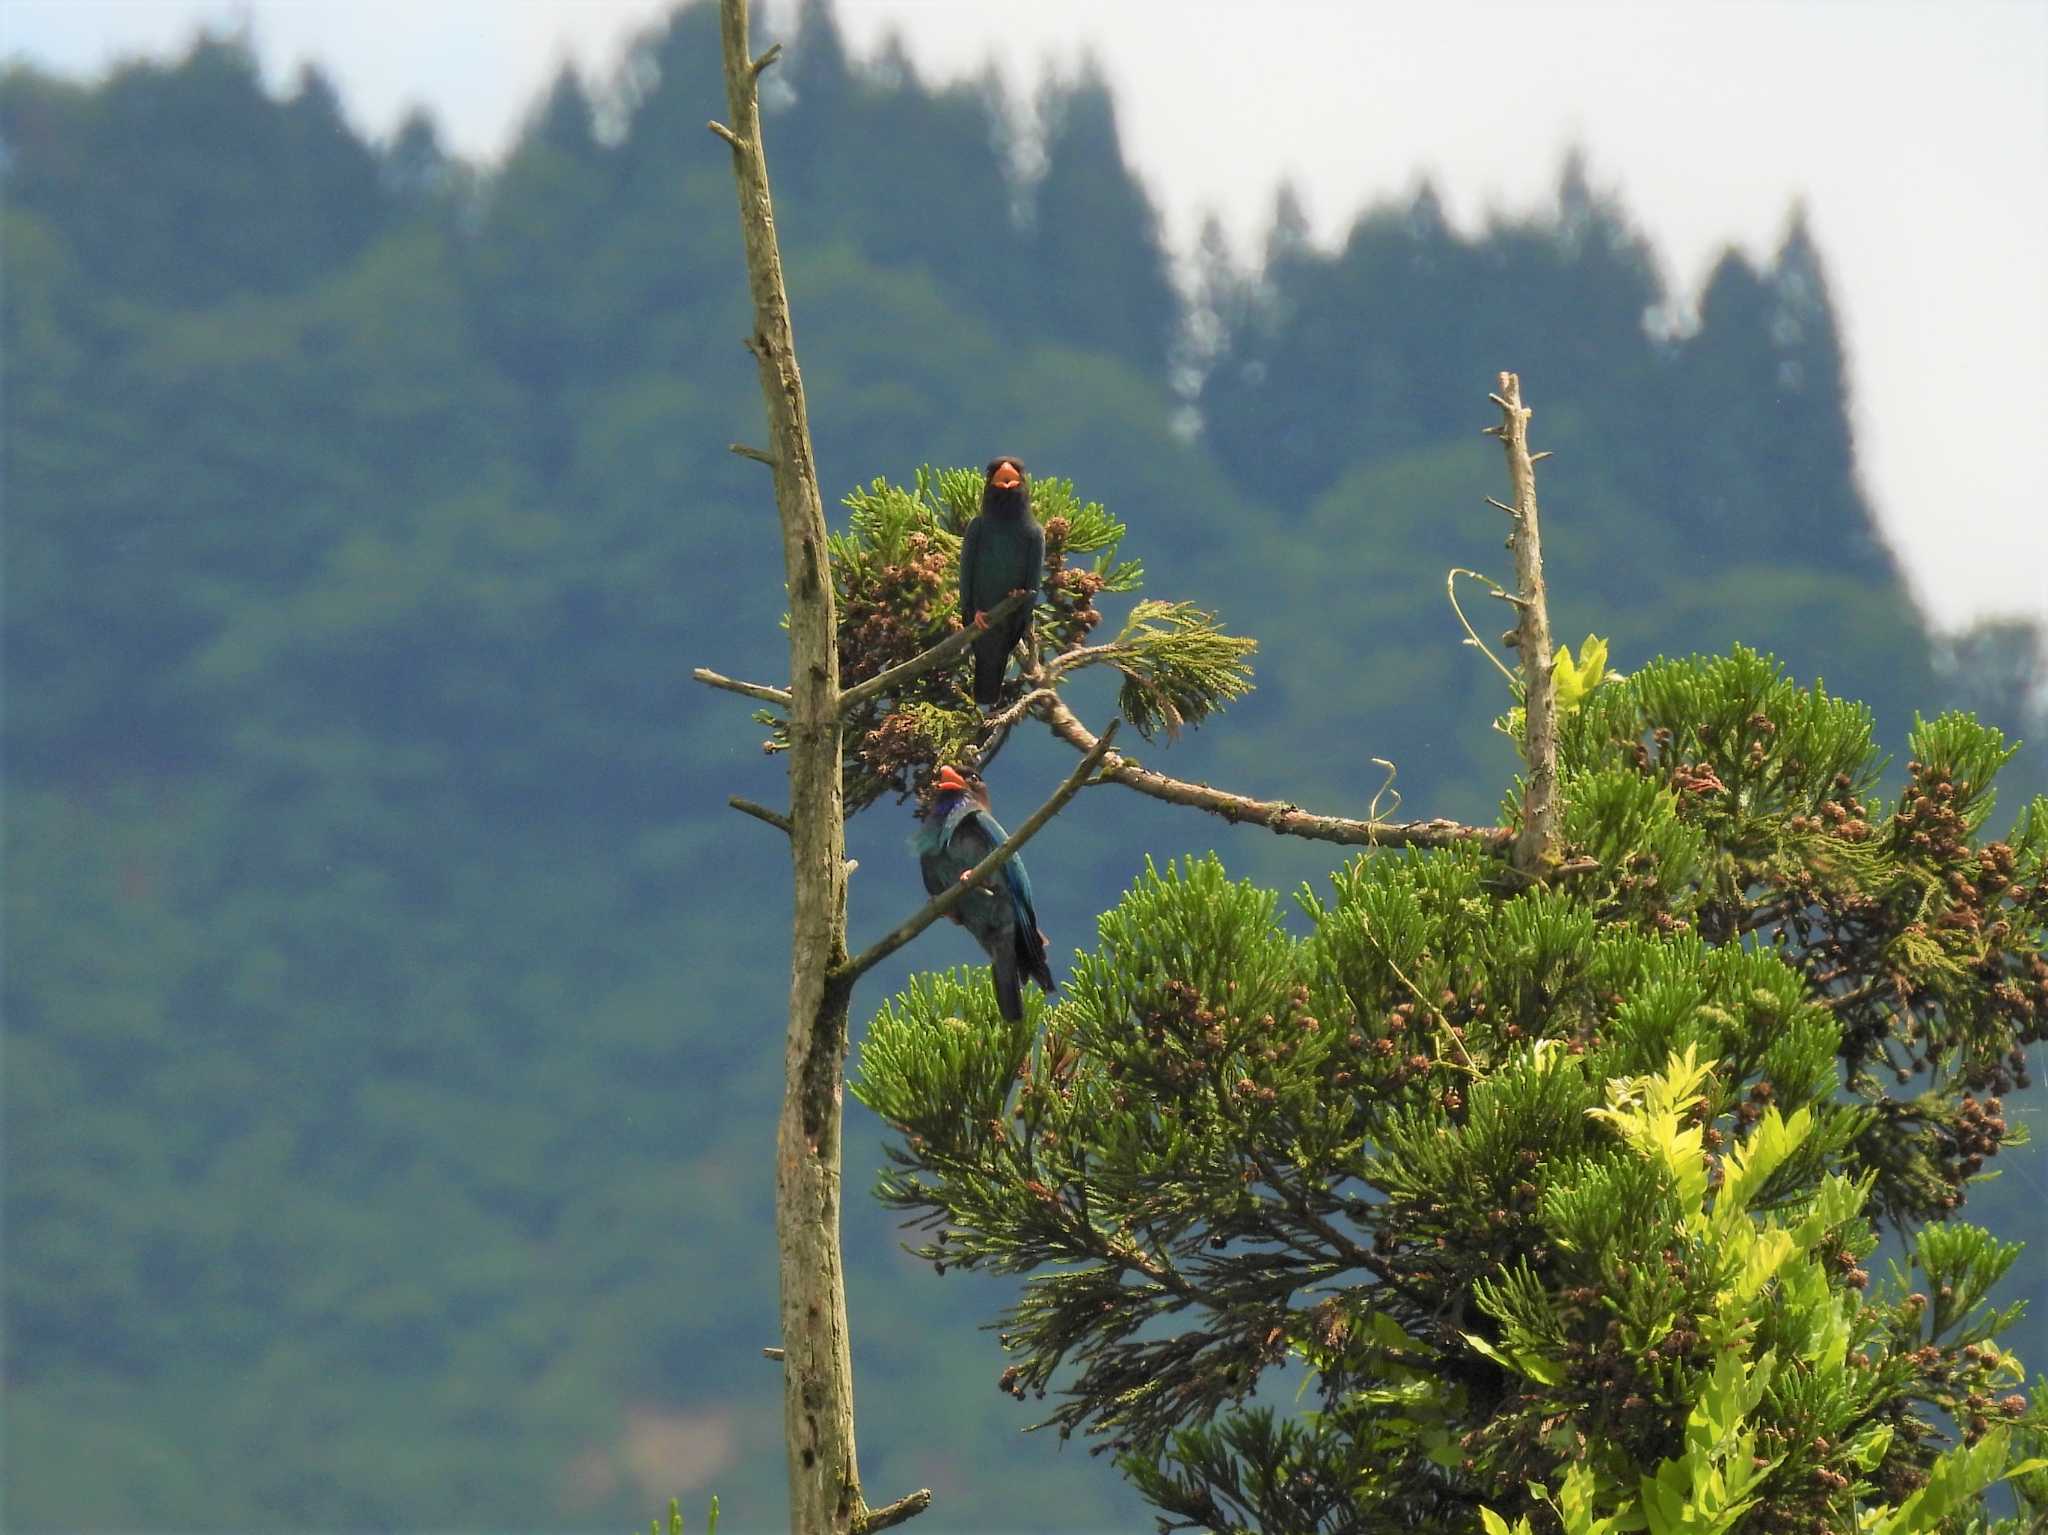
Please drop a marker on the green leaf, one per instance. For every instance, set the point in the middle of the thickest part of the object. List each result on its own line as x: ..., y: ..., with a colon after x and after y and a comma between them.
x: 1868, y: 1447
x: 1952, y: 1481
x: 1753, y: 1160
x: 1571, y: 683
x: 1650, y: 1113
x: 1534, y: 1366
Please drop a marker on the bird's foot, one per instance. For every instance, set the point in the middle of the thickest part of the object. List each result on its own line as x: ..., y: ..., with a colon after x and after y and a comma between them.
x: 981, y: 621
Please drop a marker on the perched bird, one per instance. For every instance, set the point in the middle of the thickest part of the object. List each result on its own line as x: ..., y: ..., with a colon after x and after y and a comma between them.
x: 959, y: 832
x: 1003, y: 552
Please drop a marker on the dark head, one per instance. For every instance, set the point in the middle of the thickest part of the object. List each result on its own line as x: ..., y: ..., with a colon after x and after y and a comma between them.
x: 1005, y: 487
x: 949, y: 783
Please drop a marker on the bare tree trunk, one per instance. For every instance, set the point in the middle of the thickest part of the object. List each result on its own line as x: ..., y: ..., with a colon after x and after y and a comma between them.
x: 824, y: 1479
x: 1538, y: 847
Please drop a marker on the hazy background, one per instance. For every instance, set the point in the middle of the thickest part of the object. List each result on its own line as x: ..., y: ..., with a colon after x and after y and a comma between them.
x: 1914, y: 134
x: 393, y: 1009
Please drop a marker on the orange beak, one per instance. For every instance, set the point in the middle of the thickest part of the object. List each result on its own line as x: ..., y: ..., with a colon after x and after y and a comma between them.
x: 1006, y: 476
x: 948, y: 781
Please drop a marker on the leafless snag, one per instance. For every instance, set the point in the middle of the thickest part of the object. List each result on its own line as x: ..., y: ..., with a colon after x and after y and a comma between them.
x: 1538, y: 847
x: 817, y: 1376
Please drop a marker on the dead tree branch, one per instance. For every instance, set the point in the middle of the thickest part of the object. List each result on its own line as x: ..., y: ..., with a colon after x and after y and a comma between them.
x: 894, y: 1513
x: 774, y: 818
x: 1275, y: 815
x: 936, y: 655
x: 760, y: 690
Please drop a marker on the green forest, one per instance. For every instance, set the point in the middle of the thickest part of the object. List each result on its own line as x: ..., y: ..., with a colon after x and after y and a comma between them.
x: 394, y: 1009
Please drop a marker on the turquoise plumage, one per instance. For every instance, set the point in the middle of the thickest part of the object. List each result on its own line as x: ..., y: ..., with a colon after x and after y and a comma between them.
x: 958, y: 832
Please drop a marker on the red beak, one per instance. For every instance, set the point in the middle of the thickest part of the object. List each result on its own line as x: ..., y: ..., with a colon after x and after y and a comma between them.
x: 1006, y: 476
x: 948, y: 781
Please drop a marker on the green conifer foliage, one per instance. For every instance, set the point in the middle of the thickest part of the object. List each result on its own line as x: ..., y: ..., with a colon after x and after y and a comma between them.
x: 1558, y: 1202
x: 894, y: 571
x: 1920, y: 934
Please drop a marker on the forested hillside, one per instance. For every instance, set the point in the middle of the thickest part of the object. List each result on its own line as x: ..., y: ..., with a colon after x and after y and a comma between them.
x: 394, y: 1009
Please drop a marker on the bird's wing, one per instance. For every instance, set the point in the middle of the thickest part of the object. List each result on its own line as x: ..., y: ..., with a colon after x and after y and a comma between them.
x: 1034, y: 540
x: 930, y: 866
x: 1020, y: 894
x: 972, y: 835
x: 950, y: 827
x: 970, y: 547
x: 985, y: 912
x: 1015, y: 880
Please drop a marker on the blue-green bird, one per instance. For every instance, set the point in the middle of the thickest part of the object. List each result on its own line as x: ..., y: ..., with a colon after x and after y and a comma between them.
x: 1003, y: 552
x: 958, y: 832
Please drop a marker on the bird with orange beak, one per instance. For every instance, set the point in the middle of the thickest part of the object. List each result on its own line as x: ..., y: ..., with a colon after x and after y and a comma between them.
x: 958, y: 832
x: 1003, y: 552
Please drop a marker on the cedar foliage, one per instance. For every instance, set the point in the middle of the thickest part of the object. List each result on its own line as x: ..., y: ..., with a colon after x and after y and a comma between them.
x: 1559, y: 1200
x: 895, y: 575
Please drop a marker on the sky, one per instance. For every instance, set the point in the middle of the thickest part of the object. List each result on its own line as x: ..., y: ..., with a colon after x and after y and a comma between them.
x: 1914, y: 133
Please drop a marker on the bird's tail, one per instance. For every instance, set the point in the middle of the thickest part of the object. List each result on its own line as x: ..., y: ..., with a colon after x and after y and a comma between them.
x: 1031, y: 954
x: 989, y: 666
x: 1009, y: 988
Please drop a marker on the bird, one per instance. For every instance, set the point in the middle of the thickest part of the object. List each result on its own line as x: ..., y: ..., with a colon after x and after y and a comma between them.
x: 958, y: 832
x: 1003, y: 552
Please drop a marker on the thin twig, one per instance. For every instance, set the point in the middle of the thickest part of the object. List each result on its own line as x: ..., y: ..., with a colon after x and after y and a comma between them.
x: 1373, y: 810
x: 892, y: 680
x: 1017, y: 710
x: 1861, y: 994
x: 982, y: 756
x: 774, y: 818
x: 739, y: 144
x: 946, y: 900
x: 1276, y: 816
x: 772, y: 1353
x: 760, y: 690
x: 893, y: 1513
x: 754, y: 453
x: 1450, y: 1029
x: 1080, y: 656
x: 995, y: 730
x: 754, y: 69
x: 1347, y: 1250
x: 1471, y: 638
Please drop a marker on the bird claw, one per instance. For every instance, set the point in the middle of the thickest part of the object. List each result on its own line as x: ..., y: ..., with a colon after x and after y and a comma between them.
x: 981, y: 620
